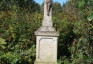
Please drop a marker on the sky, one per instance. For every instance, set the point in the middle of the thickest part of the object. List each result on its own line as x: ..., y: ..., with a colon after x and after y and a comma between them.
x: 60, y: 1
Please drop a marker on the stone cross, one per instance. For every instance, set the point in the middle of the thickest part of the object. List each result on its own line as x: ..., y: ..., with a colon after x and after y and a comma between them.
x: 46, y: 38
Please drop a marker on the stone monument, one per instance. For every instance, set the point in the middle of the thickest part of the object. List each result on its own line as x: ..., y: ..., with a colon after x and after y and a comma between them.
x: 46, y: 38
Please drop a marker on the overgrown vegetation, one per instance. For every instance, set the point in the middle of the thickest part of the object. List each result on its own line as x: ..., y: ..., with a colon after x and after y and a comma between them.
x: 19, y: 20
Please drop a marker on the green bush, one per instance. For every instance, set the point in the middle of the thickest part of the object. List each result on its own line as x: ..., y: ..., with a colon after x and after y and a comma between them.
x: 18, y: 24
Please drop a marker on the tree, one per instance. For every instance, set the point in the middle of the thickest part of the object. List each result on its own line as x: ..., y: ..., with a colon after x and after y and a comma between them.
x: 56, y: 8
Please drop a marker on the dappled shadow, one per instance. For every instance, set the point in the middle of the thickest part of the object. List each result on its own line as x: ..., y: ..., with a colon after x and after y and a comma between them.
x: 63, y: 44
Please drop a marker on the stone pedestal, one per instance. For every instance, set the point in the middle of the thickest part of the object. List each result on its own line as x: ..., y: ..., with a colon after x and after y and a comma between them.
x: 46, y: 45
x: 45, y: 63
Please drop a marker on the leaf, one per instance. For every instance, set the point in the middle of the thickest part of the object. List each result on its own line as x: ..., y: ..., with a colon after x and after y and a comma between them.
x: 3, y: 47
x: 60, y: 61
x: 2, y: 41
x: 90, y: 17
x: 83, y: 39
x: 88, y: 58
x: 90, y: 28
x: 66, y: 61
x: 81, y: 3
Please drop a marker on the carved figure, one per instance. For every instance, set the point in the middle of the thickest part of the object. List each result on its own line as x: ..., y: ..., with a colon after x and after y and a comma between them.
x: 49, y: 6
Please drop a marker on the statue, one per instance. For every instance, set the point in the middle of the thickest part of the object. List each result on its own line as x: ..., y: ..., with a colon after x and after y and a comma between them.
x: 47, y: 21
x: 49, y: 6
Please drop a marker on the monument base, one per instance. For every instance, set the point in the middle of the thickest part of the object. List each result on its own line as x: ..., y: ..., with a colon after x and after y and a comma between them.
x: 36, y: 62
x: 46, y: 45
x: 46, y: 31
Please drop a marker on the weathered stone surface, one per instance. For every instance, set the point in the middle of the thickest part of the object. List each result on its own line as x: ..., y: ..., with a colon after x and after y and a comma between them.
x: 46, y: 49
x: 46, y: 30
x: 47, y: 21
x: 36, y: 62
x: 46, y: 38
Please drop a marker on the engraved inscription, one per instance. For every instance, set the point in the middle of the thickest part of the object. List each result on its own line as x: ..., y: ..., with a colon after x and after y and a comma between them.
x: 46, y: 49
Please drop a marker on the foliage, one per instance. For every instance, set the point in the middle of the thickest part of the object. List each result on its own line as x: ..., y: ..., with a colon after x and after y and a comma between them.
x: 81, y: 49
x: 2, y: 43
x: 17, y: 28
x: 19, y: 19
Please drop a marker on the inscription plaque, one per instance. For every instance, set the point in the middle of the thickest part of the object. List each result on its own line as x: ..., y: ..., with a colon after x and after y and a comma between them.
x: 46, y: 49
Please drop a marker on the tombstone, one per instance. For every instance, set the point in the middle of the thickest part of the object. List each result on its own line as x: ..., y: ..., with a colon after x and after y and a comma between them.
x: 46, y: 38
